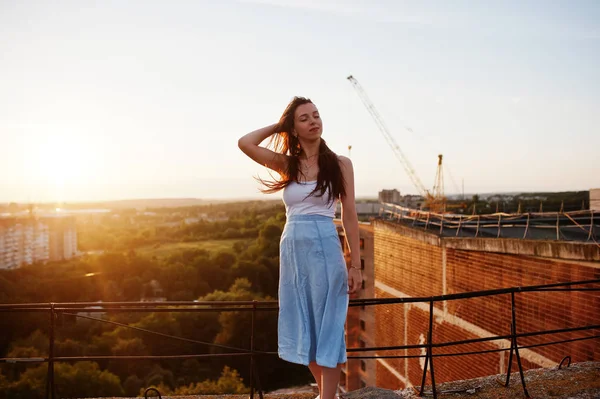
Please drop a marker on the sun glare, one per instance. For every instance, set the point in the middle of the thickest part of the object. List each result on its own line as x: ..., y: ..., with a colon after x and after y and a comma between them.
x: 63, y: 162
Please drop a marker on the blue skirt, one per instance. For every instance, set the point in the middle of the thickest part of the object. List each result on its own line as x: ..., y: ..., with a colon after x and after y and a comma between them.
x: 313, y: 292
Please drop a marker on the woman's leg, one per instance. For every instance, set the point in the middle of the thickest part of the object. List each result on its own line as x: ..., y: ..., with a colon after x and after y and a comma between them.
x: 316, y: 371
x: 330, y: 380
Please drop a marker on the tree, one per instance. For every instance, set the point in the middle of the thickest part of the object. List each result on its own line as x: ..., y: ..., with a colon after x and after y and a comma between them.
x: 132, y: 385
x: 236, y: 327
x: 69, y: 347
x: 230, y: 383
x: 82, y: 379
x: 224, y: 259
x: 126, y: 347
x: 132, y: 288
x: 258, y: 274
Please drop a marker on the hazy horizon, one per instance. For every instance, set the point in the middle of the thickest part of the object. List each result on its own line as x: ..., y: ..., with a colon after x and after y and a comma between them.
x: 147, y: 99
x: 261, y: 197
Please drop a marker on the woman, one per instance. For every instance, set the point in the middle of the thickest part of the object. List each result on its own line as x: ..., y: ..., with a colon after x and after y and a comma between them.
x: 314, y: 283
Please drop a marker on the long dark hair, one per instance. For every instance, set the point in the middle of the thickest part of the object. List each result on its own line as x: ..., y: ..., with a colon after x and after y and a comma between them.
x: 284, y: 142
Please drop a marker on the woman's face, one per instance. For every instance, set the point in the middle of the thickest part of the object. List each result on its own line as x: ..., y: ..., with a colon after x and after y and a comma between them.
x: 307, y: 122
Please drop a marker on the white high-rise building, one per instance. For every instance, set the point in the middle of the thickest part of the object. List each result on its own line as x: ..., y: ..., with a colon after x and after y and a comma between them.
x: 27, y: 240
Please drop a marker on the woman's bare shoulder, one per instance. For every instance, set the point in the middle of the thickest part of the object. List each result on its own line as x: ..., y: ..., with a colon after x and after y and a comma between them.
x: 344, y: 161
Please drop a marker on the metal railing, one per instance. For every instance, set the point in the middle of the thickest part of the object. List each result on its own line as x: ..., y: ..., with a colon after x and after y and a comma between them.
x: 57, y: 310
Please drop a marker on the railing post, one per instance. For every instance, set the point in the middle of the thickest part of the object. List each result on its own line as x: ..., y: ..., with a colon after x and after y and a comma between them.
x: 253, y: 368
x: 515, y: 345
x: 429, y: 356
x: 510, y: 356
x: 591, y: 226
x: 430, y: 348
x: 252, y: 351
x: 422, y: 389
x: 50, y: 389
x: 499, y: 226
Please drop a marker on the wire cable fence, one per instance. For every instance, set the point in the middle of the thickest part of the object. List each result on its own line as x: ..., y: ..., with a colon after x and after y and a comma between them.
x: 431, y: 347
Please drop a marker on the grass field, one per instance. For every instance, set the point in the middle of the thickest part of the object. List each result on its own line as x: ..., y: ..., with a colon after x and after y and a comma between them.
x: 166, y: 250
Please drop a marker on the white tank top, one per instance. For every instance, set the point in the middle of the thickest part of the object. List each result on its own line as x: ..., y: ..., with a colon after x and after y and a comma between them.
x: 297, y: 203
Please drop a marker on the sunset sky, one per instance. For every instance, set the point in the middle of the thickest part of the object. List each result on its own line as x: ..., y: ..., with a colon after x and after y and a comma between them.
x: 146, y: 99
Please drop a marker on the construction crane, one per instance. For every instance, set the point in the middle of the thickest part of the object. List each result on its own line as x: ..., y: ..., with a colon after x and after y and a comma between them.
x: 439, y: 199
x: 436, y: 201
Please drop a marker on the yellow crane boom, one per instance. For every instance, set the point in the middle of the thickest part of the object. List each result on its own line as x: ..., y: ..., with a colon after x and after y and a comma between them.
x: 436, y: 201
x: 410, y: 171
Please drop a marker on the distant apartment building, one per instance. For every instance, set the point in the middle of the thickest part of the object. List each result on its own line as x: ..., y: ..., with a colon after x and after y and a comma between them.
x: 390, y: 196
x: 364, y: 210
x: 27, y: 240
x: 595, y: 199
x: 22, y: 242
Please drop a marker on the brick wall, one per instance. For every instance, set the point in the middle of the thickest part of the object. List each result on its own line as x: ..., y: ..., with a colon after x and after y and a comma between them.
x: 389, y: 331
x: 418, y: 264
x: 535, y: 311
x: 408, y: 263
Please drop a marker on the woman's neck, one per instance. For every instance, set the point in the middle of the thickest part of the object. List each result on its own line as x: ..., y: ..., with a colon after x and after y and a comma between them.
x: 310, y: 149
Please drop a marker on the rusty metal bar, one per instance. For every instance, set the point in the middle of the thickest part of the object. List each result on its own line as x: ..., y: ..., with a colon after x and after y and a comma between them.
x: 422, y: 388
x: 430, y: 348
x: 591, y: 226
x: 260, y: 391
x: 252, y: 352
x: 499, y: 225
x: 568, y: 358
x: 429, y: 356
x: 50, y: 388
x: 515, y: 344
x: 56, y: 312
x: 564, y: 341
x: 510, y: 356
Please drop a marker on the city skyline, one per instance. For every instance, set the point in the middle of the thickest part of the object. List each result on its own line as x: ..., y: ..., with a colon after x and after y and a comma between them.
x: 147, y: 100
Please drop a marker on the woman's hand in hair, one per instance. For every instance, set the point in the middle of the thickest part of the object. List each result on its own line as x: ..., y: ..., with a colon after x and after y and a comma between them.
x: 250, y: 145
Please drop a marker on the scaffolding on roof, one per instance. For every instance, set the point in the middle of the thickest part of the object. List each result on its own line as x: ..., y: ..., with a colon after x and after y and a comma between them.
x: 580, y: 226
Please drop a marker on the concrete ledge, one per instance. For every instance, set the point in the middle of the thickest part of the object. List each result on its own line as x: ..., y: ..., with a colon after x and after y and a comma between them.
x: 578, y: 381
x: 560, y: 250
x: 407, y: 231
x: 589, y: 252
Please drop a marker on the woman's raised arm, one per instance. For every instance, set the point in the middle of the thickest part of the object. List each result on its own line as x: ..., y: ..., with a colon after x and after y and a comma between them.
x: 250, y: 145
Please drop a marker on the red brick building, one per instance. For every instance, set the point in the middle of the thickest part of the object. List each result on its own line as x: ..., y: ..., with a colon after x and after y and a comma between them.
x: 401, y: 260
x: 411, y: 262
